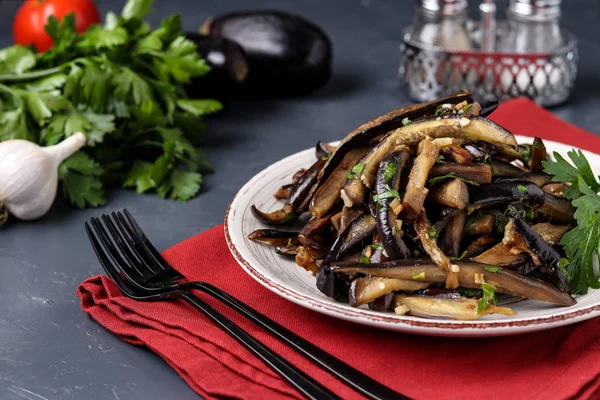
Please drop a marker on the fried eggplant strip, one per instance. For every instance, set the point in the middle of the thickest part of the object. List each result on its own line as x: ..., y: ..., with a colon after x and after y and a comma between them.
x: 416, y: 192
x: 327, y: 195
x: 423, y: 229
x: 386, y: 190
x: 470, y: 275
x: 384, y: 124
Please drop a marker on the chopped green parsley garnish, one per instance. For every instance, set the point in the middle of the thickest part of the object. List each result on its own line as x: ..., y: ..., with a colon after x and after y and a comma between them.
x: 420, y: 275
x: 525, y: 153
x: 488, y: 299
x: 492, y: 268
x: 433, y: 232
x: 391, y: 193
x: 356, y: 171
x: 363, y: 256
x: 562, y: 263
x: 390, y: 171
x: 522, y: 188
x: 464, y: 253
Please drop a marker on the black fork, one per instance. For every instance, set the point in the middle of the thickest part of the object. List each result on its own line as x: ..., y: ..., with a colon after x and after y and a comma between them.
x: 149, y: 272
x: 120, y: 271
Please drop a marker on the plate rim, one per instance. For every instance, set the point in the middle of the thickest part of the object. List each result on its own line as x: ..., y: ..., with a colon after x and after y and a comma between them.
x: 437, y: 327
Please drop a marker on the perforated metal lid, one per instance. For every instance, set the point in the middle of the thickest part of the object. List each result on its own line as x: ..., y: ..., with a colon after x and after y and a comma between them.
x: 443, y: 6
x: 535, y: 9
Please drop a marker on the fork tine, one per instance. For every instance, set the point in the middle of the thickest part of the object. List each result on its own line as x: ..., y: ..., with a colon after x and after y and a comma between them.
x: 157, y: 272
x: 123, y: 266
x: 155, y: 253
x: 105, y: 261
x: 161, y: 269
x: 119, y: 263
x: 134, y: 259
x: 135, y: 242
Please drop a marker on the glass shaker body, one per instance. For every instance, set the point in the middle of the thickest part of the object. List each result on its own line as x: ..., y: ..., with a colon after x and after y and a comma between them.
x: 434, y: 28
x: 533, y: 28
x: 441, y: 23
x: 527, y: 35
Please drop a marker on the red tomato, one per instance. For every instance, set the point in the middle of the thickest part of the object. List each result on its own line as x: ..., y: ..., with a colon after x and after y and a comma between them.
x: 32, y: 17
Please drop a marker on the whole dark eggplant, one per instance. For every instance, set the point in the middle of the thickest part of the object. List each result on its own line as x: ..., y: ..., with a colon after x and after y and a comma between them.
x: 288, y: 55
x: 228, y: 63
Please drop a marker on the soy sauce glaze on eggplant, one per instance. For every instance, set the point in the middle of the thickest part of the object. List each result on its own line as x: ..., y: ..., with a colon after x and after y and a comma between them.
x: 427, y: 199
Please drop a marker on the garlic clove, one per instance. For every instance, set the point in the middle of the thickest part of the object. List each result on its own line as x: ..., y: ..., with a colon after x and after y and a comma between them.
x: 63, y: 150
x: 29, y: 174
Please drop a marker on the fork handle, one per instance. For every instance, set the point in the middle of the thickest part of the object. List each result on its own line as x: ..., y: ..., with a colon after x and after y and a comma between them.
x: 360, y: 382
x: 304, y: 383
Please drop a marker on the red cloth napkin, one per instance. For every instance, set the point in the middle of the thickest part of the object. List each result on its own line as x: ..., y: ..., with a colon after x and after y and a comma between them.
x: 558, y: 364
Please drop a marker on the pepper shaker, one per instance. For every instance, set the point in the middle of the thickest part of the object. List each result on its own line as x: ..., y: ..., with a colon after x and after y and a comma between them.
x: 532, y: 27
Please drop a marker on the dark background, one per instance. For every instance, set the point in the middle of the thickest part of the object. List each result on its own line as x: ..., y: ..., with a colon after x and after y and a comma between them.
x: 50, y: 350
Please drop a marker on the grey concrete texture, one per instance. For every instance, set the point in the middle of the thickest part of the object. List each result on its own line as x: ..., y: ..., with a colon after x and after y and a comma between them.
x: 49, y: 349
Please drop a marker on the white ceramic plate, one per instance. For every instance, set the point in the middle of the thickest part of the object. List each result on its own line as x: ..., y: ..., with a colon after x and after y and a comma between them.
x: 282, y: 276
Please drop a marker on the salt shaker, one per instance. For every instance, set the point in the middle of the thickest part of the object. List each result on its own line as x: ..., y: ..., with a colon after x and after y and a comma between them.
x: 441, y: 23
x: 532, y: 27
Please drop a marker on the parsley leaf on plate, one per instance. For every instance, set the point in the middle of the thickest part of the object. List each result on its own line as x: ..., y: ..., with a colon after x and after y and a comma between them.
x: 582, y: 243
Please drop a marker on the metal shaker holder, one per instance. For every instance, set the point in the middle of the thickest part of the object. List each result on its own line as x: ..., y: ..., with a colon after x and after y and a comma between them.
x: 430, y: 72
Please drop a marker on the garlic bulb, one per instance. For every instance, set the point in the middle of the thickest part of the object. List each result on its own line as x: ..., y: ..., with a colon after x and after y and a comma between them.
x: 29, y: 174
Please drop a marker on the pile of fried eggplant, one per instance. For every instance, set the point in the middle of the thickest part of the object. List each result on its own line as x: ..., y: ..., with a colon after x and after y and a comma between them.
x: 417, y: 210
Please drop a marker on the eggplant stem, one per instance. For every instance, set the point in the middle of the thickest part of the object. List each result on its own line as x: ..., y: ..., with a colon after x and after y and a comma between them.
x: 3, y: 213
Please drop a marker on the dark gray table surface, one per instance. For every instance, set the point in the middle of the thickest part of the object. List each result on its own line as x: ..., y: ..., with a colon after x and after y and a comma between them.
x: 49, y: 349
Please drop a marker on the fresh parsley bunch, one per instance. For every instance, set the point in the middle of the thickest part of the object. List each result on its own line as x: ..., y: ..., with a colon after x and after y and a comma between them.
x: 581, y: 242
x: 122, y: 85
